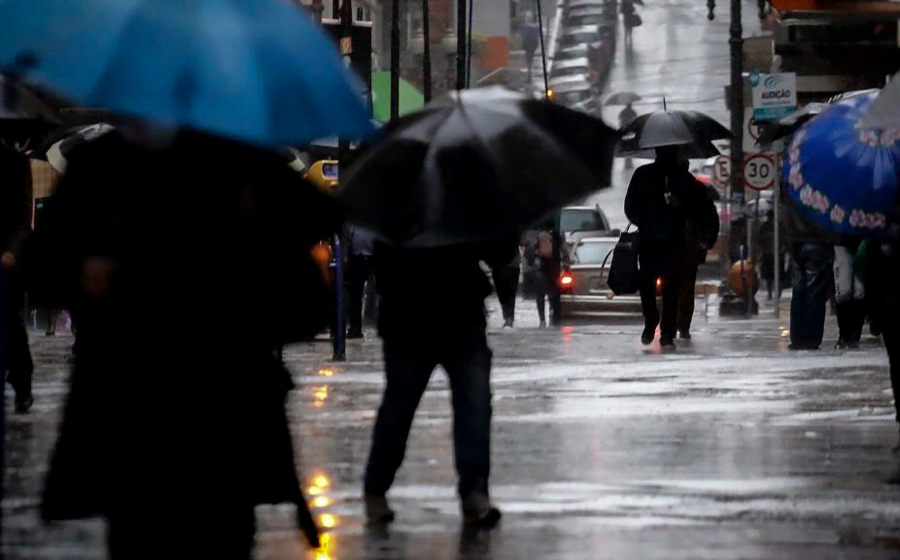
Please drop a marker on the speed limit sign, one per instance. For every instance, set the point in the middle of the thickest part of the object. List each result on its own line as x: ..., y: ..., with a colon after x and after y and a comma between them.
x: 759, y: 172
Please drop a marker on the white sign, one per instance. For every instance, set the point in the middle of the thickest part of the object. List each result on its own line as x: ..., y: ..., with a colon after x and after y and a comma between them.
x: 722, y: 171
x: 759, y: 171
x: 774, y: 95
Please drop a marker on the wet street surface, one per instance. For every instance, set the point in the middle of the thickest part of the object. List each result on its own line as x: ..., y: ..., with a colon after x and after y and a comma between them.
x: 730, y: 447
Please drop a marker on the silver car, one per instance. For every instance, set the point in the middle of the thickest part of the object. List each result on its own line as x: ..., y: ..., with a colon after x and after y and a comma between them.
x: 583, y: 284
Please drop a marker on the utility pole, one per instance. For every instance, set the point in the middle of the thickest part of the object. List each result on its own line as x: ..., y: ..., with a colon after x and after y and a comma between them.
x: 461, y: 40
x: 426, y: 52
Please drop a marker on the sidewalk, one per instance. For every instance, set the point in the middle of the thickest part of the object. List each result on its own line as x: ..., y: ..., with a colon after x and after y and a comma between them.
x: 731, y: 447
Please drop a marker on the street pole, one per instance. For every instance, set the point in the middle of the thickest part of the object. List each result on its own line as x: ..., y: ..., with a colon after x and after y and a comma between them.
x: 395, y: 60
x: 736, y: 43
x: 777, y: 233
x: 426, y: 52
x: 540, y: 23
x: 461, y: 37
x: 469, y: 46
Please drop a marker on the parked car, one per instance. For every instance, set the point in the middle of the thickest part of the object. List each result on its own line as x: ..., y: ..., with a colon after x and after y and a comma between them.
x: 583, y: 282
x: 578, y: 222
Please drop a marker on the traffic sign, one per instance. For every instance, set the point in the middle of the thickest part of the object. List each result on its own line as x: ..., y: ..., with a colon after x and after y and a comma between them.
x: 722, y: 171
x: 759, y: 171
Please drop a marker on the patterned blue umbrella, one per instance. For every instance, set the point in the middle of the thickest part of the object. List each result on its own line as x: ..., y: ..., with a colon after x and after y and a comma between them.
x: 844, y: 178
x: 258, y: 71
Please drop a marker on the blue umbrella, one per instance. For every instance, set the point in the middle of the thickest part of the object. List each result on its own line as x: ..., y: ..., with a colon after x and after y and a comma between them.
x: 259, y: 71
x: 841, y: 177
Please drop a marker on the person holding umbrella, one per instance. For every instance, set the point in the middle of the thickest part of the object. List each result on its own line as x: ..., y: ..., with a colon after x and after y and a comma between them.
x: 452, y: 185
x: 15, y: 225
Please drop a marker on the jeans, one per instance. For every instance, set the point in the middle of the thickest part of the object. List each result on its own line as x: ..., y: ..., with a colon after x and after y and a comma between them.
x: 812, y: 283
x: 687, y: 293
x: 360, y: 268
x: 19, y: 365
x: 548, y: 291
x: 506, y: 282
x: 409, y: 362
x: 660, y: 262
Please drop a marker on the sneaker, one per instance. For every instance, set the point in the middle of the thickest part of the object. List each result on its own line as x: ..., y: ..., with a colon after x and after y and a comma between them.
x: 648, y: 335
x: 667, y: 342
x: 684, y: 334
x: 24, y: 404
x: 508, y: 324
x: 377, y: 509
x: 477, y: 509
x: 543, y: 325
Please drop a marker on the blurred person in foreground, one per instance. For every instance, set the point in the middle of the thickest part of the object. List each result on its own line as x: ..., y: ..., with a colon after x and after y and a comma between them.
x: 544, y: 268
x: 16, y: 204
x: 174, y: 265
x: 456, y: 339
x: 661, y: 198
x: 701, y: 236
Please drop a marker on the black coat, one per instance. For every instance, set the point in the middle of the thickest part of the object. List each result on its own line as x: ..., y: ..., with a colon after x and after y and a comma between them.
x: 16, y: 201
x: 176, y: 397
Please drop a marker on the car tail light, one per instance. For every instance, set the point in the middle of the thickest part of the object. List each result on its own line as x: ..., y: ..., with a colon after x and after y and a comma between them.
x: 566, y: 281
x: 659, y: 285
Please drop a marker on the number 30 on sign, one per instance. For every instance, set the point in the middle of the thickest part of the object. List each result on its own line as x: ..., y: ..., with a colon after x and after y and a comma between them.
x: 759, y: 172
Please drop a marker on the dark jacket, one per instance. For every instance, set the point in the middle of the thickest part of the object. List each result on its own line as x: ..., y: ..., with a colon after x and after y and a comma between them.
x: 440, y: 289
x: 176, y: 398
x: 662, y: 219
x: 16, y: 201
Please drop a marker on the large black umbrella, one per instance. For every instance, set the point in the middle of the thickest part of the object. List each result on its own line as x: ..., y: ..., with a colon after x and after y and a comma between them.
x: 477, y: 165
x: 690, y: 129
x: 24, y: 117
x: 785, y: 126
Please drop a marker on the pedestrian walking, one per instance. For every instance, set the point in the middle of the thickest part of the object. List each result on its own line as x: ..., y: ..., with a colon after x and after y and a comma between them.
x: 661, y: 197
x: 545, y: 269
x: 175, y: 428
x: 360, y: 271
x: 506, y: 284
x: 812, y: 279
x: 849, y: 294
x: 16, y: 206
x: 626, y: 115
x: 456, y: 339
x: 770, y: 256
x: 531, y: 38
x: 701, y: 236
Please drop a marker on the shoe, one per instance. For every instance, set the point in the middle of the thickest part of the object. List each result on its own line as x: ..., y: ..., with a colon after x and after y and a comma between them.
x: 802, y: 346
x: 377, y: 509
x: 477, y: 509
x: 508, y: 324
x: 543, y: 324
x: 841, y: 344
x: 667, y: 342
x: 354, y: 335
x: 684, y: 334
x: 648, y: 335
x: 24, y: 404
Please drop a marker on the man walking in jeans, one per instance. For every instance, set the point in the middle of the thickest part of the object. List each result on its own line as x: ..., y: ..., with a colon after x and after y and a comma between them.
x: 451, y: 304
x: 812, y: 262
x: 15, y: 224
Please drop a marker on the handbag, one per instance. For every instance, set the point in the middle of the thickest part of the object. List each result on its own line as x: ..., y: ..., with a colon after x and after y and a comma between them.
x: 624, y: 275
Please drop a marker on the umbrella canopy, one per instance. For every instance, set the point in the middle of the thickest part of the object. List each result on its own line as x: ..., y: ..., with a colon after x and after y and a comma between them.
x: 261, y: 72
x: 843, y: 178
x: 785, y: 126
x: 24, y: 117
x: 622, y: 98
x: 695, y: 131
x: 57, y: 153
x: 410, y: 98
x: 884, y: 113
x: 477, y: 165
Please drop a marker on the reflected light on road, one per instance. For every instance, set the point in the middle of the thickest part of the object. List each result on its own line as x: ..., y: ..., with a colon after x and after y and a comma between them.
x: 328, y: 520
x: 326, y: 372
x: 321, y: 501
x: 325, y: 545
x: 321, y: 481
x: 320, y: 394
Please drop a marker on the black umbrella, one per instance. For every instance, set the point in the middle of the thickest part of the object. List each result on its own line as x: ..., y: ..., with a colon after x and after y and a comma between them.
x: 477, y: 165
x: 785, y: 126
x: 690, y: 129
x: 57, y: 145
x: 24, y: 117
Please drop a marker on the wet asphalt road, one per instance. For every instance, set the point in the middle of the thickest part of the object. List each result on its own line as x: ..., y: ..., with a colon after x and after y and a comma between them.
x: 730, y: 447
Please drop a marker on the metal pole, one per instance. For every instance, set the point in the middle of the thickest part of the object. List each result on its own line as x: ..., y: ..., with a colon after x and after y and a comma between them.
x: 540, y: 23
x: 340, y: 335
x: 737, y: 103
x: 469, y: 46
x: 776, y: 237
x: 395, y: 59
x: 426, y: 53
x: 460, y: 44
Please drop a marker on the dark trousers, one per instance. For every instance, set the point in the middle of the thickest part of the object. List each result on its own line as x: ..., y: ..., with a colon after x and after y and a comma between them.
x: 891, y: 333
x: 812, y: 280
x: 666, y: 264
x: 688, y: 290
x: 506, y: 282
x: 548, y: 291
x: 20, y: 367
x: 409, y: 362
x: 360, y: 268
